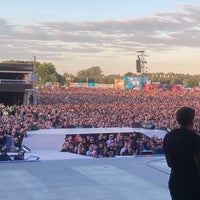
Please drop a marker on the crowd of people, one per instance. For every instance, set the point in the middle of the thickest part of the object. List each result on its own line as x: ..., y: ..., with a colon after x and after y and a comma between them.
x: 111, y: 145
x: 94, y: 107
x: 110, y: 108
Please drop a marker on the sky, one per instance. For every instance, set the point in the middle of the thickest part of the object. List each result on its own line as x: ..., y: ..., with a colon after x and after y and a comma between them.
x: 79, y: 34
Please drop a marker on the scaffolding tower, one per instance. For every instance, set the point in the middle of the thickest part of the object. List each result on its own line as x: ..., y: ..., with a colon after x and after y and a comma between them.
x: 141, y: 63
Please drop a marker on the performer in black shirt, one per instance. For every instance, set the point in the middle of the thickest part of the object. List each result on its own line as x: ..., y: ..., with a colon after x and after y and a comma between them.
x: 182, y: 152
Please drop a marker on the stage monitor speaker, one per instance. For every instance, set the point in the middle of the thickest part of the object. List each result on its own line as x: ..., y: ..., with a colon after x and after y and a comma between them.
x: 87, y: 126
x: 71, y: 126
x: 33, y: 127
x: 78, y: 126
x: 146, y: 152
x: 150, y: 126
x: 163, y: 128
x: 137, y: 125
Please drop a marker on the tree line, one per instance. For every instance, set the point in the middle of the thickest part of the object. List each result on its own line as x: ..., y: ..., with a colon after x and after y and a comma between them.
x: 47, y: 73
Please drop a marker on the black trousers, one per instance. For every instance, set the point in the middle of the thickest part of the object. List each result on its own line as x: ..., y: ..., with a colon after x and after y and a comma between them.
x: 184, y: 187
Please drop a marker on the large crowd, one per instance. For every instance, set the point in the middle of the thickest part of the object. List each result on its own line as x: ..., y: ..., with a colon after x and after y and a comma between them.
x: 99, y: 107
x: 111, y: 145
x: 94, y: 107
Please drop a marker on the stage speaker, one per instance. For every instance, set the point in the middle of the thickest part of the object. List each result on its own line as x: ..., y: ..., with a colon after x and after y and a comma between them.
x: 163, y: 128
x: 150, y: 126
x: 137, y: 125
x: 146, y: 152
x: 33, y: 127
x: 71, y: 126
x: 87, y: 126
x: 78, y: 126
x: 138, y: 66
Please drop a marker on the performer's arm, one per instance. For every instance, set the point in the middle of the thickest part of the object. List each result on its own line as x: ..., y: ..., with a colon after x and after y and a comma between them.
x: 168, y: 159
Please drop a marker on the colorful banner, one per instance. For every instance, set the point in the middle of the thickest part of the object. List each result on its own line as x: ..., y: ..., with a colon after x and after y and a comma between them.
x: 91, y: 84
x: 119, y: 84
x: 134, y: 82
x: 80, y: 84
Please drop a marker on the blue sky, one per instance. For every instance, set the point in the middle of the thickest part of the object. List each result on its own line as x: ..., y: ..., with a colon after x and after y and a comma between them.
x: 79, y: 10
x: 79, y: 34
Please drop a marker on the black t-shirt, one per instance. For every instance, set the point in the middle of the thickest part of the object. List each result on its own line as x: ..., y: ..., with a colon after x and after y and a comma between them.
x: 180, y: 145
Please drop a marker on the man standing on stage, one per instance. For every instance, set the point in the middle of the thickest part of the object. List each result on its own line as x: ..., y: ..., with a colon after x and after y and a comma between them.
x: 182, y: 152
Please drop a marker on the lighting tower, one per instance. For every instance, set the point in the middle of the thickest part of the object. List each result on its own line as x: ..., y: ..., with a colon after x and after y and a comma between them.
x: 141, y: 62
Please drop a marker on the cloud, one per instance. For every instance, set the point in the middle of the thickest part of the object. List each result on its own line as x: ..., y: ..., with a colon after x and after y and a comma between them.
x: 167, y: 30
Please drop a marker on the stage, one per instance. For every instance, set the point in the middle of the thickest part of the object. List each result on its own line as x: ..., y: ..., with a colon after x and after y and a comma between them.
x: 60, y: 175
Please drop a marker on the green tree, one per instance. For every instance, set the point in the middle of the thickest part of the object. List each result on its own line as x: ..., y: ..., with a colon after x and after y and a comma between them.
x: 47, y: 73
x: 191, y: 82
x: 130, y: 74
x: 94, y: 74
x: 67, y: 78
x: 109, y: 79
x: 177, y: 80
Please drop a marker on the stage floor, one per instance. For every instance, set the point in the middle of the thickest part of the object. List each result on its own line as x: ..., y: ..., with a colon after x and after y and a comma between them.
x: 60, y: 176
x: 128, y: 178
